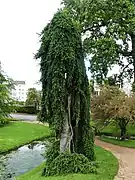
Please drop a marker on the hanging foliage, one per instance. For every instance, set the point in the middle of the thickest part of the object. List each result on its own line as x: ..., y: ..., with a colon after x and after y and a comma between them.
x: 65, y: 96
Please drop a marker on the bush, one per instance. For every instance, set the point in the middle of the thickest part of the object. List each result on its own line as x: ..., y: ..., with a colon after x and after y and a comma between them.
x: 26, y: 109
x: 67, y: 163
x: 3, y: 121
x: 52, y: 152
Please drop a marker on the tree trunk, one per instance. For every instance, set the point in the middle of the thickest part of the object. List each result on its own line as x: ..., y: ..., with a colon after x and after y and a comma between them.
x: 67, y: 132
x: 70, y: 125
x: 122, y: 124
x: 133, y: 53
x: 123, y: 133
x: 64, y: 139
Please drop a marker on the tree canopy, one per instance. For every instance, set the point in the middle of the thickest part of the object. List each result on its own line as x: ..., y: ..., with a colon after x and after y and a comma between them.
x: 109, y: 39
x: 33, y: 98
x: 113, y: 104
x: 6, y: 102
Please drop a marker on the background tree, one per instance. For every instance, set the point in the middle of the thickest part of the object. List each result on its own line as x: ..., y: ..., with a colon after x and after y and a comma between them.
x: 111, y: 81
x: 65, y: 86
x: 33, y: 98
x: 109, y: 39
x: 91, y: 86
x: 6, y: 102
x: 113, y: 105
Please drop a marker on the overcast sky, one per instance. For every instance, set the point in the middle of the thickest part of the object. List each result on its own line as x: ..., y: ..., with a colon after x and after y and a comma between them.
x: 20, y: 20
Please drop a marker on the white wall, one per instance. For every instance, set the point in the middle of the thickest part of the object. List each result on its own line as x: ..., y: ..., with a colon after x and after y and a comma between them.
x: 19, y: 92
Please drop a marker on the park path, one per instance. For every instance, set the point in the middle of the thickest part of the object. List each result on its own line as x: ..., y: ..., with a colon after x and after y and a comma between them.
x: 24, y: 117
x: 126, y: 158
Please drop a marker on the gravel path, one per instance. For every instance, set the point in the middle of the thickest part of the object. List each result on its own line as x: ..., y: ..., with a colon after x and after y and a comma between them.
x: 126, y: 157
x: 24, y: 117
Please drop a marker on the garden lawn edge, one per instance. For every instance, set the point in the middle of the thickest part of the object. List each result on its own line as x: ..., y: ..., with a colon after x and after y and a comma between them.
x: 26, y: 141
x: 127, y: 143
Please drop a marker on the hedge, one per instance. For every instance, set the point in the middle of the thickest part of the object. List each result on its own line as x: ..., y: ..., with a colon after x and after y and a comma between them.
x: 26, y: 109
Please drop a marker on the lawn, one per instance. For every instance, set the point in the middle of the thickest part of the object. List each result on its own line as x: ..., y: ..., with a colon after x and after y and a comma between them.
x: 16, y: 134
x: 126, y: 143
x: 108, y: 167
x: 113, y: 130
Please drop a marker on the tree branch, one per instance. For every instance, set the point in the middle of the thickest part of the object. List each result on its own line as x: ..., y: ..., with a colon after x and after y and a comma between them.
x: 121, y: 74
x: 94, y: 26
x: 125, y: 53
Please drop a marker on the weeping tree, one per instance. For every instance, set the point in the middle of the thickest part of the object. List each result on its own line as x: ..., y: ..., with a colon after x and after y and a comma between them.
x: 65, y: 86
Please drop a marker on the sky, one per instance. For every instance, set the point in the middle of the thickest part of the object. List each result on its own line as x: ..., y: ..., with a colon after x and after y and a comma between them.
x: 20, y: 21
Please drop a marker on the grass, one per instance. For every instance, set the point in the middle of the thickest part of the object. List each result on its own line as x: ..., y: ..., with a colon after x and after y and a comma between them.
x: 16, y: 134
x: 126, y: 143
x: 113, y: 130
x: 108, y: 167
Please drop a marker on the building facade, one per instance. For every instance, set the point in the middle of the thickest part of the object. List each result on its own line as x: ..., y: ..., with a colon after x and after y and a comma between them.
x: 19, y: 92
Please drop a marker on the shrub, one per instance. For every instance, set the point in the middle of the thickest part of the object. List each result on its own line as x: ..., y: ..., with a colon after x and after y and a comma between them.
x: 67, y: 163
x: 3, y: 121
x: 52, y: 152
x: 26, y: 109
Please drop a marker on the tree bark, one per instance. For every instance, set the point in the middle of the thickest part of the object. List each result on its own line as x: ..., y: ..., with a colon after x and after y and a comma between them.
x: 123, y: 133
x: 64, y: 139
x: 67, y: 131
x: 123, y: 124
x: 70, y: 125
x: 133, y: 53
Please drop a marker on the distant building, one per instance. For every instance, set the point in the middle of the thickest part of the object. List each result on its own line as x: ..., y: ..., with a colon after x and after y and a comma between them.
x: 126, y: 88
x: 20, y: 91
